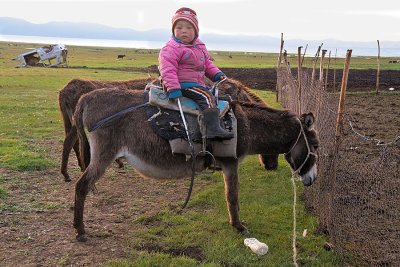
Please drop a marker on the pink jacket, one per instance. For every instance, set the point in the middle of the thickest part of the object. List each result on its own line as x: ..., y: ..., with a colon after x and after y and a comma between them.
x: 182, y: 64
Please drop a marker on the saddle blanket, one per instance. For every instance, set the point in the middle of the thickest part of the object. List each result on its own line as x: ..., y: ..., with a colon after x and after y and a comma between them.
x: 157, y: 97
x: 166, y: 121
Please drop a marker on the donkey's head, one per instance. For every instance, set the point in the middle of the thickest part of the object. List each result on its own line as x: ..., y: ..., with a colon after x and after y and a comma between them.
x: 302, y: 155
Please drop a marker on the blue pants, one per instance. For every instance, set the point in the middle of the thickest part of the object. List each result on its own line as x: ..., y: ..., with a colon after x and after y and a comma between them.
x: 201, y: 95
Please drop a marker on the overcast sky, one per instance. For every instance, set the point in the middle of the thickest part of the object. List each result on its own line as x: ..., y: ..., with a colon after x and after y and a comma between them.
x: 365, y: 20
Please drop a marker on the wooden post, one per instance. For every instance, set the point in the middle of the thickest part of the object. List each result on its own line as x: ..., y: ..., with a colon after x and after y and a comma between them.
x: 302, y: 59
x: 378, y: 70
x: 315, y: 63
x: 287, y: 63
x: 327, y: 71
x: 280, y: 52
x: 334, y: 72
x: 339, y: 119
x: 321, y: 66
x: 299, y: 77
x: 279, y: 65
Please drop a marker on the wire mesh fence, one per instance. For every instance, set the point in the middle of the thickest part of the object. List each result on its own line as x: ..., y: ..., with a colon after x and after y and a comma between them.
x: 357, y: 194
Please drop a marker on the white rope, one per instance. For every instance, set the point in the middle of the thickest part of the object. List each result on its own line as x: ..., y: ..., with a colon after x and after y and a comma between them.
x: 294, y: 221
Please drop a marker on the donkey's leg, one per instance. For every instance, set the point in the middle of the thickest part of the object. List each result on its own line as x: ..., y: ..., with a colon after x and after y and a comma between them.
x: 70, y: 141
x: 231, y: 179
x: 77, y: 153
x: 92, y: 173
x: 269, y: 161
x: 75, y: 143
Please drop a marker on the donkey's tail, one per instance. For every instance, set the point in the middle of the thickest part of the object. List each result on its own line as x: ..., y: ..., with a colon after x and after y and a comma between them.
x: 83, y: 141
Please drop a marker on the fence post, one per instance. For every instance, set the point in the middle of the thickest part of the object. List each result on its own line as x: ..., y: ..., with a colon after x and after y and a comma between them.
x: 304, y: 54
x: 287, y: 63
x: 339, y: 119
x: 321, y: 66
x: 280, y: 52
x: 299, y: 77
x: 334, y: 72
x: 279, y: 65
x: 378, y: 70
x: 315, y: 63
x: 327, y: 71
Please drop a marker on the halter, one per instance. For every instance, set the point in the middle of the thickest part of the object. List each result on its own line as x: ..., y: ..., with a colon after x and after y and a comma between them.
x: 301, y: 133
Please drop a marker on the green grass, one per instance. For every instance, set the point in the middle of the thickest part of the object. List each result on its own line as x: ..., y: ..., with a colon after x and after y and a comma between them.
x: 30, y: 113
x: 266, y: 209
x: 100, y: 57
x: 3, y: 191
x: 31, y: 125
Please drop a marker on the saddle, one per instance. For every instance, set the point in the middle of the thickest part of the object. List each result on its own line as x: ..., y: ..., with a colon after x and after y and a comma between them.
x: 166, y: 121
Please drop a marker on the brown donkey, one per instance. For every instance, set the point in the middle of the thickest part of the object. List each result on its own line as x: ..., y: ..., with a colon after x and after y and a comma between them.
x: 70, y: 94
x: 260, y: 129
x: 68, y: 99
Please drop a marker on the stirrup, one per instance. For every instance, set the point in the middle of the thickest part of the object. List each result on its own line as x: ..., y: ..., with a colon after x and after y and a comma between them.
x: 214, y: 162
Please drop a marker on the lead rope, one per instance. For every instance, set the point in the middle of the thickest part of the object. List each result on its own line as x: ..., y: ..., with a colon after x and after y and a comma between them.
x: 294, y: 221
x: 294, y: 173
x: 192, y: 154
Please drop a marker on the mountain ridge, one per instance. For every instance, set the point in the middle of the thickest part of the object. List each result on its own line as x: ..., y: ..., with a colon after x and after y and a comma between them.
x: 85, y: 30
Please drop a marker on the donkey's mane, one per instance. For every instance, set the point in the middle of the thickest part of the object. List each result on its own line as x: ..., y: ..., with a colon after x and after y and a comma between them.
x: 262, y: 106
x: 242, y: 87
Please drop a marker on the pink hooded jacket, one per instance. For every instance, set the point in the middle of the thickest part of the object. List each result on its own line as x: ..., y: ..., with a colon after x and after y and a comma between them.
x: 185, y: 65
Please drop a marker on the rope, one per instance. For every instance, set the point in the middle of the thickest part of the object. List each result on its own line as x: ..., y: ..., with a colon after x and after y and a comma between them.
x: 297, y: 171
x: 294, y: 173
x: 115, y: 116
x: 294, y: 221
x: 193, y: 155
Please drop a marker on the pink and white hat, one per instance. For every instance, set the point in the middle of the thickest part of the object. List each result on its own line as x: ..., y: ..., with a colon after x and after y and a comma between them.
x: 187, y: 14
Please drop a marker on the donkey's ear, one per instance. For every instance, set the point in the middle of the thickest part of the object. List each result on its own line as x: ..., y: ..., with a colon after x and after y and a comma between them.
x: 308, y: 120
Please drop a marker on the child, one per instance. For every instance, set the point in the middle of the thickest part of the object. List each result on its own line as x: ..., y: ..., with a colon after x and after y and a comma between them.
x: 184, y: 62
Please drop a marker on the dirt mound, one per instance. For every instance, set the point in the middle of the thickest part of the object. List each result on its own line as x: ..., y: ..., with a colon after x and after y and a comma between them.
x: 359, y: 80
x: 265, y: 79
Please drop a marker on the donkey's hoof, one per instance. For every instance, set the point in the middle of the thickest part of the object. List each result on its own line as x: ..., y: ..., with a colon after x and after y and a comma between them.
x: 81, y: 238
x: 120, y: 163
x: 66, y: 177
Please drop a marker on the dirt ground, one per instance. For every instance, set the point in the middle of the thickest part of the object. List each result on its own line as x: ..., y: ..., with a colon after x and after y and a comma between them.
x: 37, y: 229
x: 375, y: 116
x: 358, y: 80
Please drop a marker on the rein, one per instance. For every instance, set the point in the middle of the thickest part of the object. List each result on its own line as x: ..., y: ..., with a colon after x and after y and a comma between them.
x: 194, y: 156
x: 301, y: 133
x: 192, y: 153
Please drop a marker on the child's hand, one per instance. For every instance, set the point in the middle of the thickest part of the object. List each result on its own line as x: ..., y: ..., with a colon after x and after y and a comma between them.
x: 174, y: 93
x: 222, y: 77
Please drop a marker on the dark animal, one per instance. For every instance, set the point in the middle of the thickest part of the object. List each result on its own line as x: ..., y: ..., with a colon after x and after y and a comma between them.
x: 121, y: 56
x: 68, y: 98
x: 70, y: 94
x: 238, y: 92
x: 260, y: 129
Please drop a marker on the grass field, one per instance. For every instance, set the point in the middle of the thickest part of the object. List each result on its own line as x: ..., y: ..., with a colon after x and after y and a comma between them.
x: 100, y: 57
x: 31, y: 124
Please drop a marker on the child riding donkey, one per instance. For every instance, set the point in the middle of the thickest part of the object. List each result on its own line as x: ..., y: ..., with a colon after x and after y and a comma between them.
x: 184, y: 63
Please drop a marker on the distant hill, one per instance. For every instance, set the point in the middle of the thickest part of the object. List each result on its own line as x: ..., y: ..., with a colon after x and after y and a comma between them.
x: 13, y: 26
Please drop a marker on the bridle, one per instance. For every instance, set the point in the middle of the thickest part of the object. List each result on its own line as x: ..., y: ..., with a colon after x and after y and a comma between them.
x: 301, y: 133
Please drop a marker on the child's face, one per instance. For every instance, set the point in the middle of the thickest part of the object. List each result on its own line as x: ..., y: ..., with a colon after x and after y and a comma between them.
x: 184, y: 31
